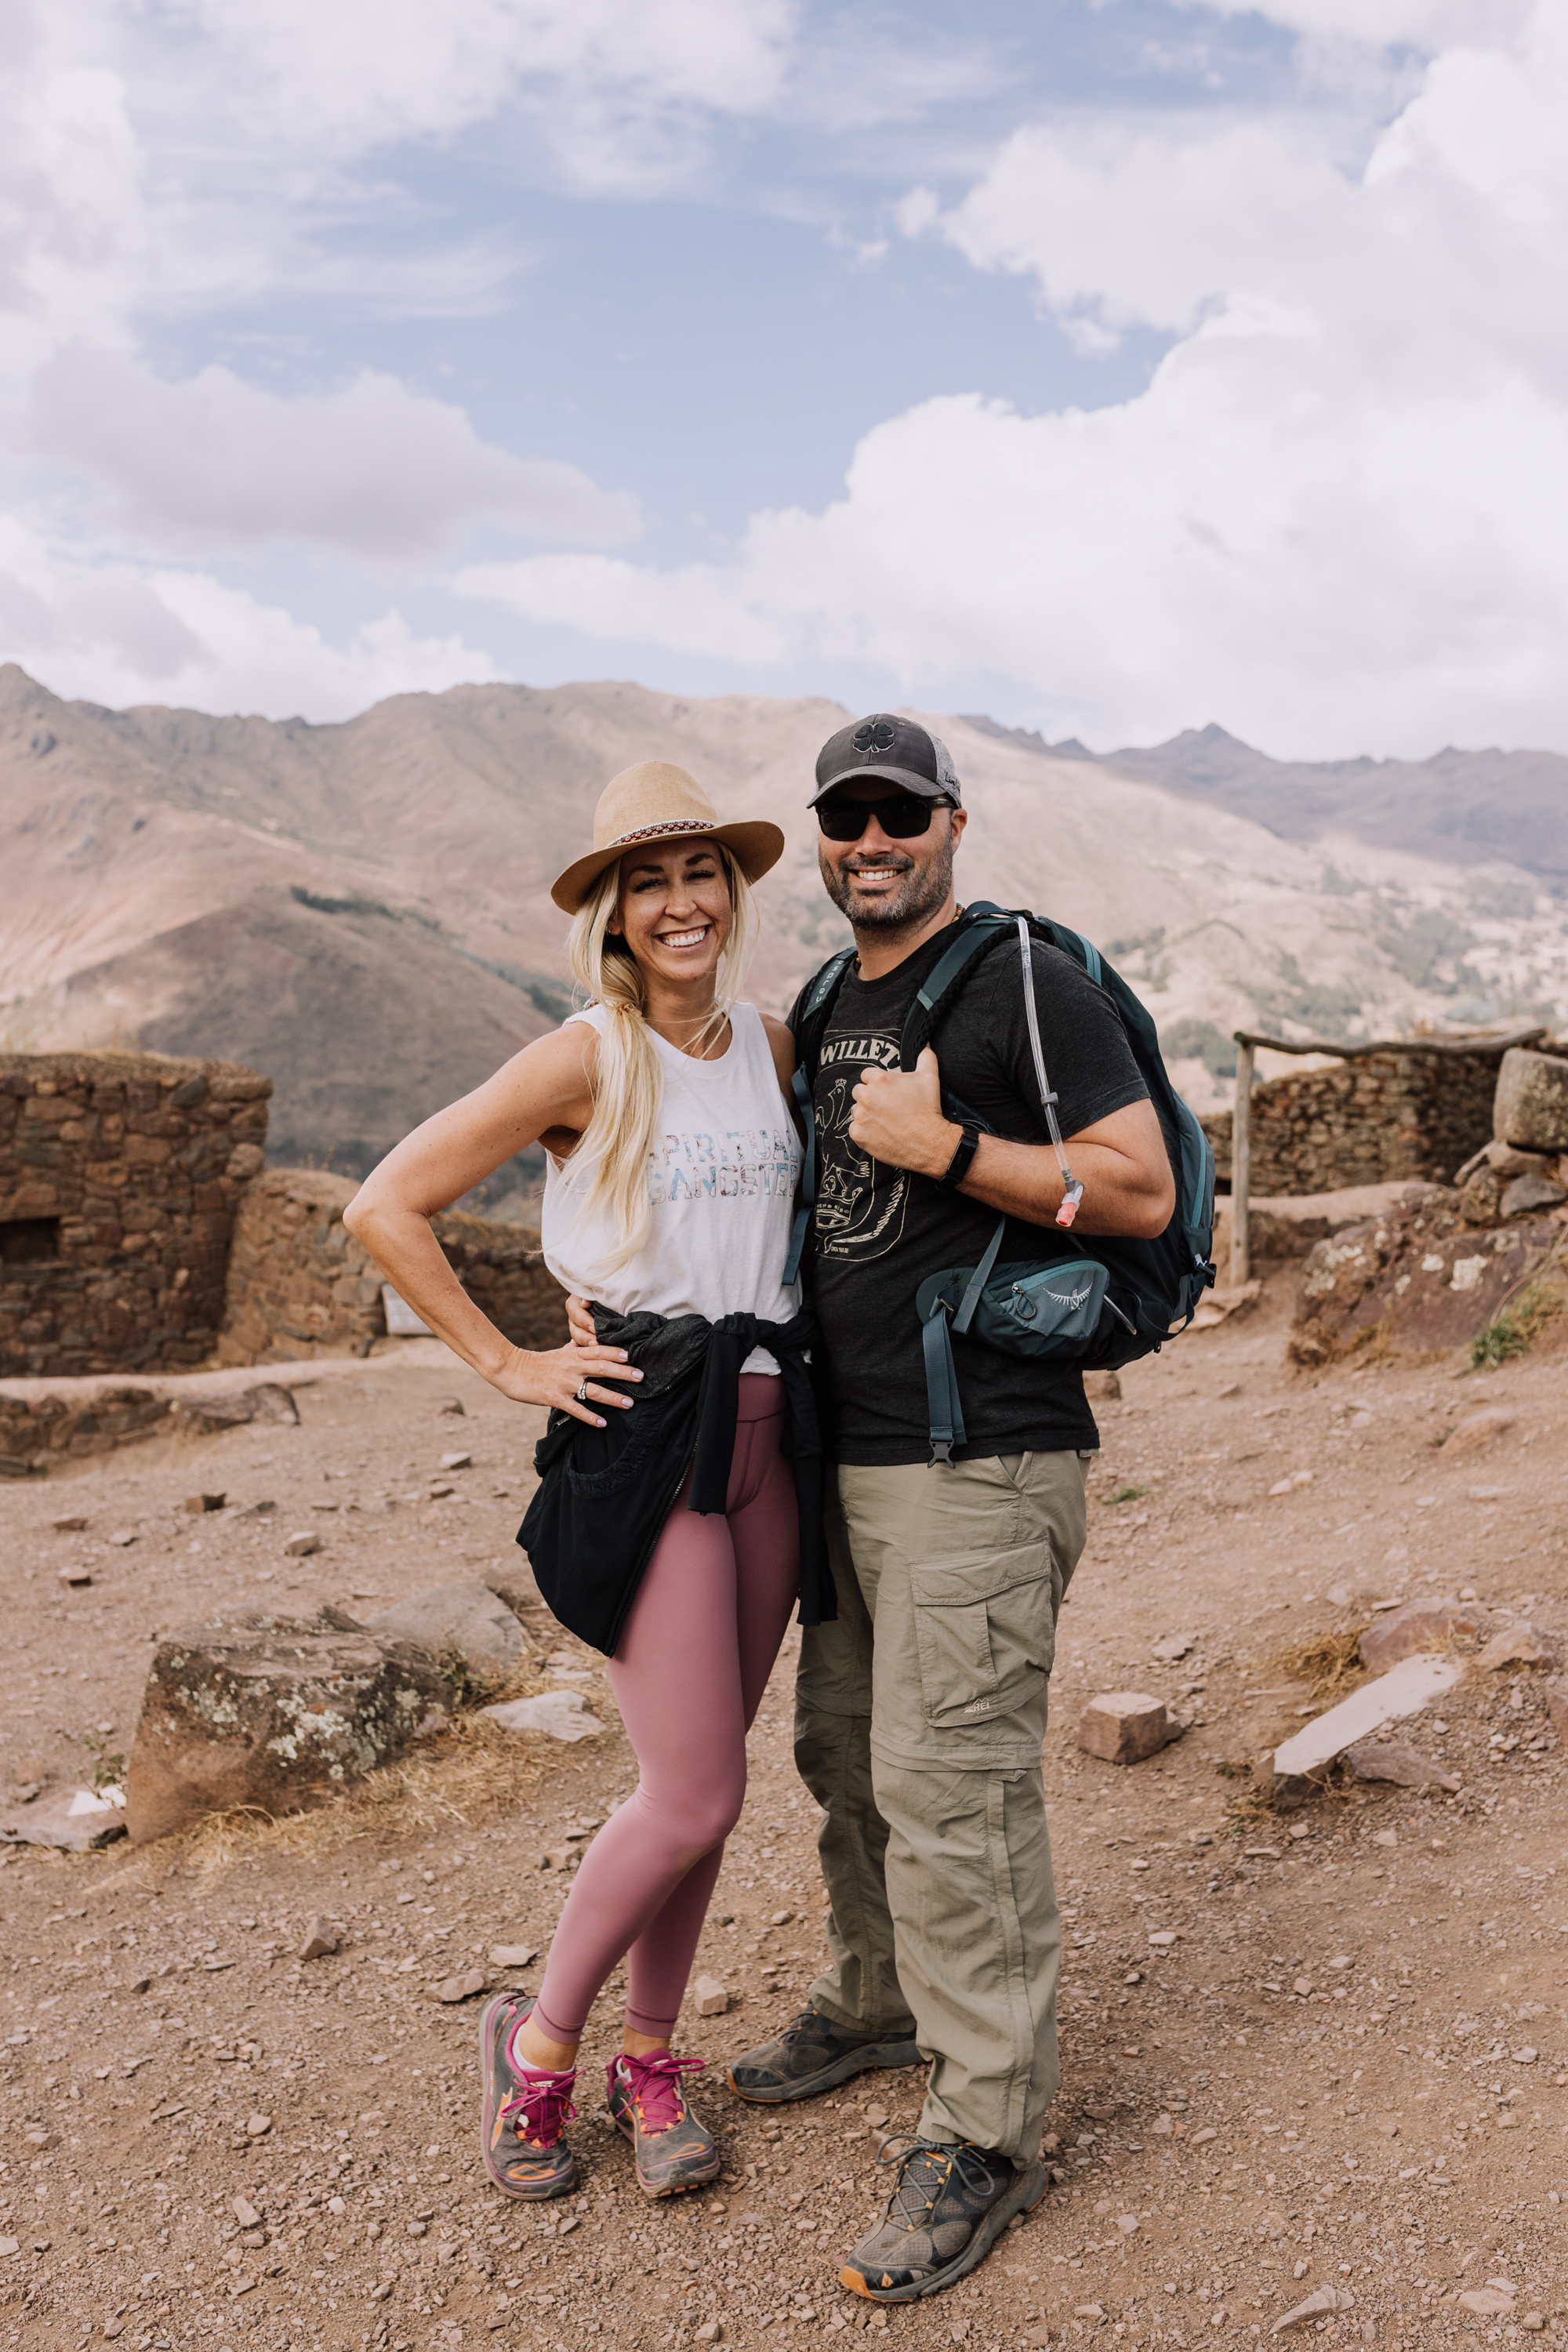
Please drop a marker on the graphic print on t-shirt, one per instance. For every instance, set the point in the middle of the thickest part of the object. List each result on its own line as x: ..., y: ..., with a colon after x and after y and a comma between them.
x: 740, y: 1163
x: 860, y: 1206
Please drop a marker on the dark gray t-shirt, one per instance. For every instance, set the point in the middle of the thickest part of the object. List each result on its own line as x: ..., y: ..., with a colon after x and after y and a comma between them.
x: 878, y: 1231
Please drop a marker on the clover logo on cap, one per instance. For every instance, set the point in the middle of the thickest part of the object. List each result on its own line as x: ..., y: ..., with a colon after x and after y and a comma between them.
x: 876, y: 735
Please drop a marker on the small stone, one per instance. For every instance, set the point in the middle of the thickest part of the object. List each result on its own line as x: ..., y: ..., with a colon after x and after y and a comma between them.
x: 712, y: 1998
x: 1322, y: 2299
x: 512, y: 1956
x: 1088, y: 2311
x: 1162, y: 1938
x: 1123, y: 1726
x: 563, y: 1713
x: 710, y: 2332
x: 1207, y: 2133
x: 321, y: 1940
x: 452, y: 1405
x: 781, y: 1918
x: 1428, y: 1624
x: 1127, y: 2223
x: 124, y: 1536
x: 113, y: 2327
x: 1526, y: 2057
x: 456, y: 1462
x: 460, y: 1988
x: 197, y: 1503
x: 9, y: 2246
x: 257, y: 2127
x: 1519, y: 1645
x: 1403, y: 1768
x: 1302, y: 1987
x: 1477, y: 1433
x: 75, y: 1577
x: 1533, y: 2322
x: 301, y: 1546
x: 1487, y: 2302
x: 336, y: 2205
x: 877, y: 2117
x: 244, y: 2213
x: 73, y: 1527
x: 1174, y: 1646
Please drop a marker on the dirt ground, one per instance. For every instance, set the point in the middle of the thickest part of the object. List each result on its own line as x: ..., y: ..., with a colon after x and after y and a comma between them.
x: 1348, y: 2069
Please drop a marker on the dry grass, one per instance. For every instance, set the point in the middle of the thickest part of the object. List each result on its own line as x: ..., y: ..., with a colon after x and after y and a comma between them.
x: 465, y: 1773
x: 1329, y: 1664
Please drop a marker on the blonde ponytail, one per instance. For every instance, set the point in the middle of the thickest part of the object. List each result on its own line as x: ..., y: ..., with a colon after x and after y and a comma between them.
x: 628, y: 1083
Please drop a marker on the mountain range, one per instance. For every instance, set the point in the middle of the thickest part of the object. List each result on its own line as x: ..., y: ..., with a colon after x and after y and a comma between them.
x: 363, y: 910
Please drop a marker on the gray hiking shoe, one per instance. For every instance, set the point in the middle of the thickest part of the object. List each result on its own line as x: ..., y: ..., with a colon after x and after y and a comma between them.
x: 673, y: 2147
x: 810, y: 2056
x: 522, y: 2125
x: 951, y: 2204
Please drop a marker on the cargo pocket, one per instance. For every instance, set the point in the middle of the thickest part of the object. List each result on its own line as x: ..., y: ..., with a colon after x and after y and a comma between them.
x: 985, y: 1638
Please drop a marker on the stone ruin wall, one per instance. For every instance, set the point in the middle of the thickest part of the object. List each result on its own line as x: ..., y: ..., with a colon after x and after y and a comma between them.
x: 300, y: 1286
x: 119, y: 1175
x: 1389, y: 1118
x: 140, y: 1233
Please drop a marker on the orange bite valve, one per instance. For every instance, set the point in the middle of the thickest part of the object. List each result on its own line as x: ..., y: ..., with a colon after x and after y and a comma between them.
x: 1070, y: 1199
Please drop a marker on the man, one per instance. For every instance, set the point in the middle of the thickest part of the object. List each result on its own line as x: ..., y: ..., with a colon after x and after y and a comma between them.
x: 919, y: 1712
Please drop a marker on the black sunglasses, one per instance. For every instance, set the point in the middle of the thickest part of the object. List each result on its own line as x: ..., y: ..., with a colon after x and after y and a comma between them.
x: 901, y: 818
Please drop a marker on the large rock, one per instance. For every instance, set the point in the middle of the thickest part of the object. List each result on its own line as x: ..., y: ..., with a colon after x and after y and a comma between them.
x: 1420, y: 1625
x: 1418, y: 1280
x: 272, y: 1713
x: 465, y: 1620
x: 1530, y: 1108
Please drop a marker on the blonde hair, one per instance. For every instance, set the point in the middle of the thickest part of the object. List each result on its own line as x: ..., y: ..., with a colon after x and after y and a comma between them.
x: 627, y: 1084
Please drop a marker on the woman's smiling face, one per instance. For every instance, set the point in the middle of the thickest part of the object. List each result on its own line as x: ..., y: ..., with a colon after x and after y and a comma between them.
x: 673, y: 909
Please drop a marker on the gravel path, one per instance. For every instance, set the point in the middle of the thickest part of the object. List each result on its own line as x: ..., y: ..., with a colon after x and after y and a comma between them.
x: 1348, y: 2069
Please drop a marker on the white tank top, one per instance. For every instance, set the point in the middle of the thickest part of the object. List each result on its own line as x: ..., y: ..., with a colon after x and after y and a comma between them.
x: 722, y: 1179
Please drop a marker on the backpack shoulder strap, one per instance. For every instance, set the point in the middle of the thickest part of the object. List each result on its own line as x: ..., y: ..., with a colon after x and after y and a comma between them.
x: 808, y: 1019
x: 982, y: 926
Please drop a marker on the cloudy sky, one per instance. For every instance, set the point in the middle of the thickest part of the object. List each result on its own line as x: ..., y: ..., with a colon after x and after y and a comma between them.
x: 1111, y: 365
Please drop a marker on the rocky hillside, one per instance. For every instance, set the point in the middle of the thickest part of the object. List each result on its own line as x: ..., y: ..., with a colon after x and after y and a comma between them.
x: 362, y: 910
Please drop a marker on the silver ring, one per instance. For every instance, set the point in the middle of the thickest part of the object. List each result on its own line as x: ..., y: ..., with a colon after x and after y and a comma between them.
x: 581, y: 1391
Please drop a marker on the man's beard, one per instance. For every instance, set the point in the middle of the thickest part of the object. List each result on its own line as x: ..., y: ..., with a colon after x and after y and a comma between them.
x: 922, y: 890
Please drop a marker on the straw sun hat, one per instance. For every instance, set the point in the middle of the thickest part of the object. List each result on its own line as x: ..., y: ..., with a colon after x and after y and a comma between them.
x: 657, y: 803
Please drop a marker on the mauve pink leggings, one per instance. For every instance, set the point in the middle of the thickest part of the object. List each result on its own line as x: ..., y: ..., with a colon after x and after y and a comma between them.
x: 689, y: 1675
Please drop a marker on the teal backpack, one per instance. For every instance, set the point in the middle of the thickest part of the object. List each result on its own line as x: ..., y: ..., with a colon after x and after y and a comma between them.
x: 1093, y: 1300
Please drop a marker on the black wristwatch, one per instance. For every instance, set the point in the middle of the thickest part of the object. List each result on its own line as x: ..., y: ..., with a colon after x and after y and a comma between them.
x: 958, y: 1166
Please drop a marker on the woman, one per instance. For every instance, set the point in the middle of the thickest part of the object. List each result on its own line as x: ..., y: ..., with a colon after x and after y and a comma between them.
x: 671, y: 1538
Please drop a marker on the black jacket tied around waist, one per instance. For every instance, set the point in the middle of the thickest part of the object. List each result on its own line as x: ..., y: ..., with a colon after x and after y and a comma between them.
x: 604, y: 1494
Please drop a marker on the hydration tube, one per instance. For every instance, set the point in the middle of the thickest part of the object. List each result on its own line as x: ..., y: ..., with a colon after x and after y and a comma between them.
x: 1072, y: 1194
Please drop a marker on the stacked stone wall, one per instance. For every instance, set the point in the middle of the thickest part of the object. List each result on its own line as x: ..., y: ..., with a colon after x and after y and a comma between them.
x: 300, y: 1286
x: 120, y: 1174
x: 1388, y: 1117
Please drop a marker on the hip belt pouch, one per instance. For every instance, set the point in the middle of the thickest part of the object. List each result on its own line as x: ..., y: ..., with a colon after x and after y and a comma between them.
x: 1028, y: 1310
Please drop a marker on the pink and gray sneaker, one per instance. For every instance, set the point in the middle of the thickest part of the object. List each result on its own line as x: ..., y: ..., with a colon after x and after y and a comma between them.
x: 673, y: 2147
x: 523, y: 2137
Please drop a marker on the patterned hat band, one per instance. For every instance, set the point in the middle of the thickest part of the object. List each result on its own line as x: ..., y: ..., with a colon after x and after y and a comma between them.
x: 674, y: 825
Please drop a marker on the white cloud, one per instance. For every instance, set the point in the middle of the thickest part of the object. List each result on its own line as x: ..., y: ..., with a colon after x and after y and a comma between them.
x: 1337, y: 517
x: 115, y: 634
x: 373, y: 471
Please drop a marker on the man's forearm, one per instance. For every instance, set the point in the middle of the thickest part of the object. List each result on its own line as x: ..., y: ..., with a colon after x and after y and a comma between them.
x: 1025, y: 1180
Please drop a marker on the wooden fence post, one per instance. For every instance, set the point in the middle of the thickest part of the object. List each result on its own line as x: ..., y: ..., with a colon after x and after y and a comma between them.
x: 1241, y: 1168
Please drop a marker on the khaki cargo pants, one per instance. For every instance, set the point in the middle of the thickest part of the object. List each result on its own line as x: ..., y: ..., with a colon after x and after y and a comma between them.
x: 918, y: 1717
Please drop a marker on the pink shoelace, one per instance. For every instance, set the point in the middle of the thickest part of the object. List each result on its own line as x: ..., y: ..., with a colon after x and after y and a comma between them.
x: 656, y: 2086
x: 537, y: 2110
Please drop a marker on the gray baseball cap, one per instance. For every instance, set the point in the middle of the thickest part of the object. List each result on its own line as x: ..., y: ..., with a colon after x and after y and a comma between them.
x: 906, y: 753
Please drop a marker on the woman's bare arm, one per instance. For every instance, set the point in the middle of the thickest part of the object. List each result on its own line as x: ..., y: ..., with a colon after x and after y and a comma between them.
x: 542, y: 1094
